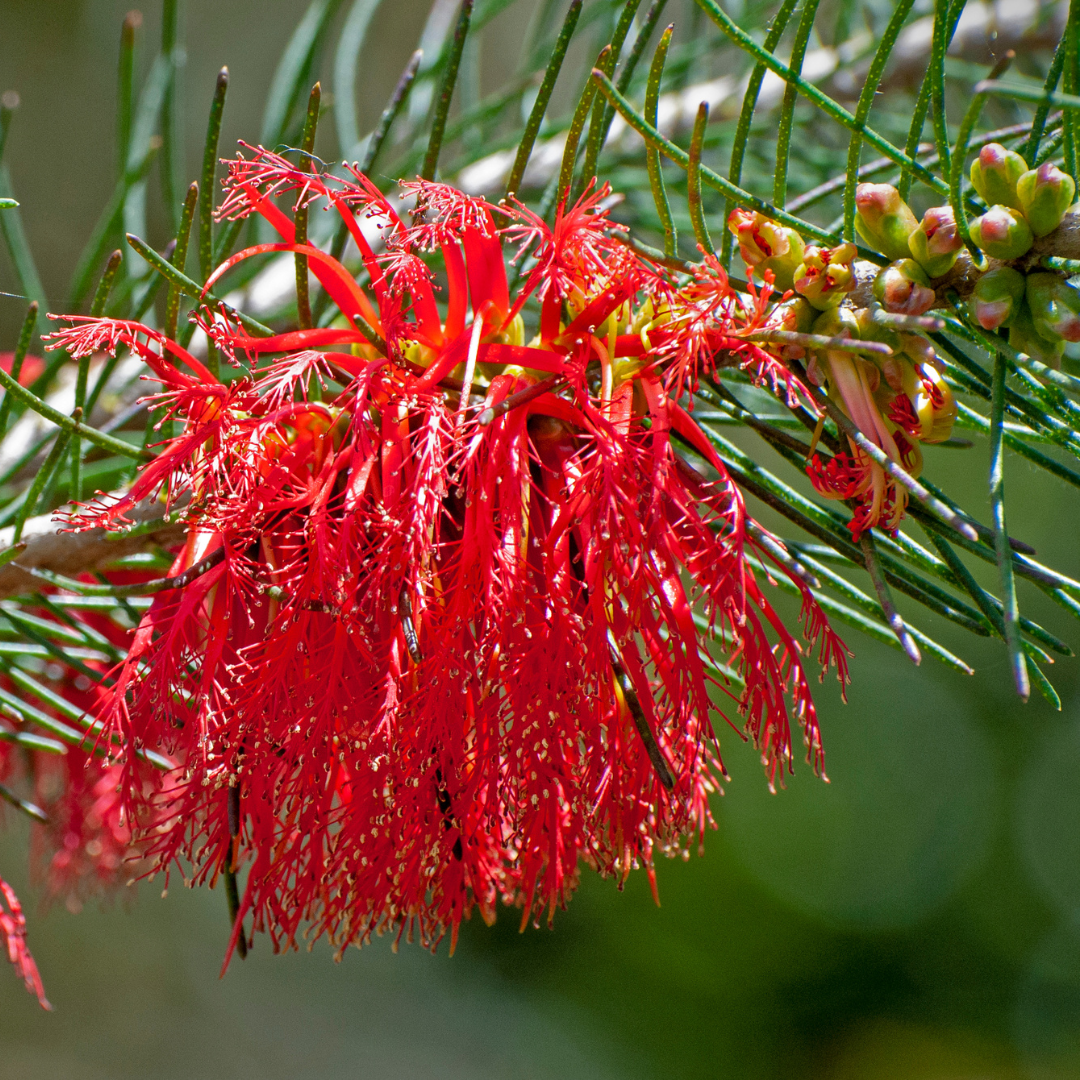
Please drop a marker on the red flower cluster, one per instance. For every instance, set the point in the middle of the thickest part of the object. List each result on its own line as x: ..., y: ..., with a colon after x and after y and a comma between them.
x: 456, y: 611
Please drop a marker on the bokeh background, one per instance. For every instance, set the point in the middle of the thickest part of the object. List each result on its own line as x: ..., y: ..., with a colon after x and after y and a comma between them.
x: 915, y: 918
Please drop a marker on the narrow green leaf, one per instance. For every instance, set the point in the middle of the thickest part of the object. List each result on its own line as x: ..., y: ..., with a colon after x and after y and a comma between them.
x: 652, y: 155
x: 172, y: 126
x: 693, y: 181
x: 681, y: 158
x: 944, y: 28
x: 61, y: 420
x: 390, y: 113
x: 1020, y: 446
x: 179, y: 258
x: 125, y: 94
x: 300, y: 216
x: 31, y: 810
x: 598, y: 129
x: 32, y: 742
x: 888, y: 608
x: 1043, y: 684
x: 51, y: 648
x: 22, y: 259
x: 1030, y: 149
x: 862, y: 108
x: 43, y: 477
x: 108, y: 276
x: 543, y: 97
x: 787, y: 109
x: 209, y: 170
x: 1025, y: 93
x: 26, y: 335
x: 1070, y: 123
x: 446, y: 90
x: 174, y: 276
x: 868, y: 624
x: 577, y: 126
x: 1001, y: 543
x: 25, y: 711
x: 959, y: 159
x: 811, y: 93
x: 144, y: 137
x: 746, y: 117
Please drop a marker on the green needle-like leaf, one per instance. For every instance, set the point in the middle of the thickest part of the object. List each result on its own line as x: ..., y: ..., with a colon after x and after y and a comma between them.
x: 543, y: 98
x: 811, y: 93
x: 1001, y: 543
x: 446, y: 90
x: 787, y: 109
x: 652, y: 155
x: 693, y: 181
x: 862, y: 109
x: 300, y: 216
x: 173, y: 275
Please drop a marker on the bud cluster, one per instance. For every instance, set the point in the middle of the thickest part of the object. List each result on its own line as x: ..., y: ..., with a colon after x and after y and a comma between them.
x: 896, y: 396
x: 1041, y: 311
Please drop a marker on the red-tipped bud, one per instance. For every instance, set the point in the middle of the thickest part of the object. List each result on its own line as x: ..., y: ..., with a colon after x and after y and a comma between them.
x: 997, y: 296
x: 1045, y: 194
x: 904, y: 288
x: 936, y: 243
x: 1002, y: 233
x: 884, y: 220
x: 994, y: 174
x: 764, y: 245
x: 1055, y: 307
x: 826, y: 275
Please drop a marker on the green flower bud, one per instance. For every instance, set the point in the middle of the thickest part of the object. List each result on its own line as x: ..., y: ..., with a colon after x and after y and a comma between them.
x: 1045, y: 194
x: 1002, y: 233
x: 884, y: 220
x: 1026, y: 339
x: 796, y: 316
x: 869, y: 330
x: 936, y: 242
x: 836, y: 321
x: 765, y: 245
x: 1055, y: 307
x: 903, y: 288
x: 997, y: 296
x: 994, y: 174
x: 826, y: 276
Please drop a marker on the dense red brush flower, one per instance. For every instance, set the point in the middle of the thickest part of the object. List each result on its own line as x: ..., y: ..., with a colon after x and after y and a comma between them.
x: 456, y: 610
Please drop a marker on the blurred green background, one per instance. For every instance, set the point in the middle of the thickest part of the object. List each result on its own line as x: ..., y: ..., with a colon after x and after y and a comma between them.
x: 916, y: 918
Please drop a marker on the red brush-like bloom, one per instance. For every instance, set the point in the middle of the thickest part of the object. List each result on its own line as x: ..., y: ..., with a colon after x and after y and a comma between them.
x: 461, y: 620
